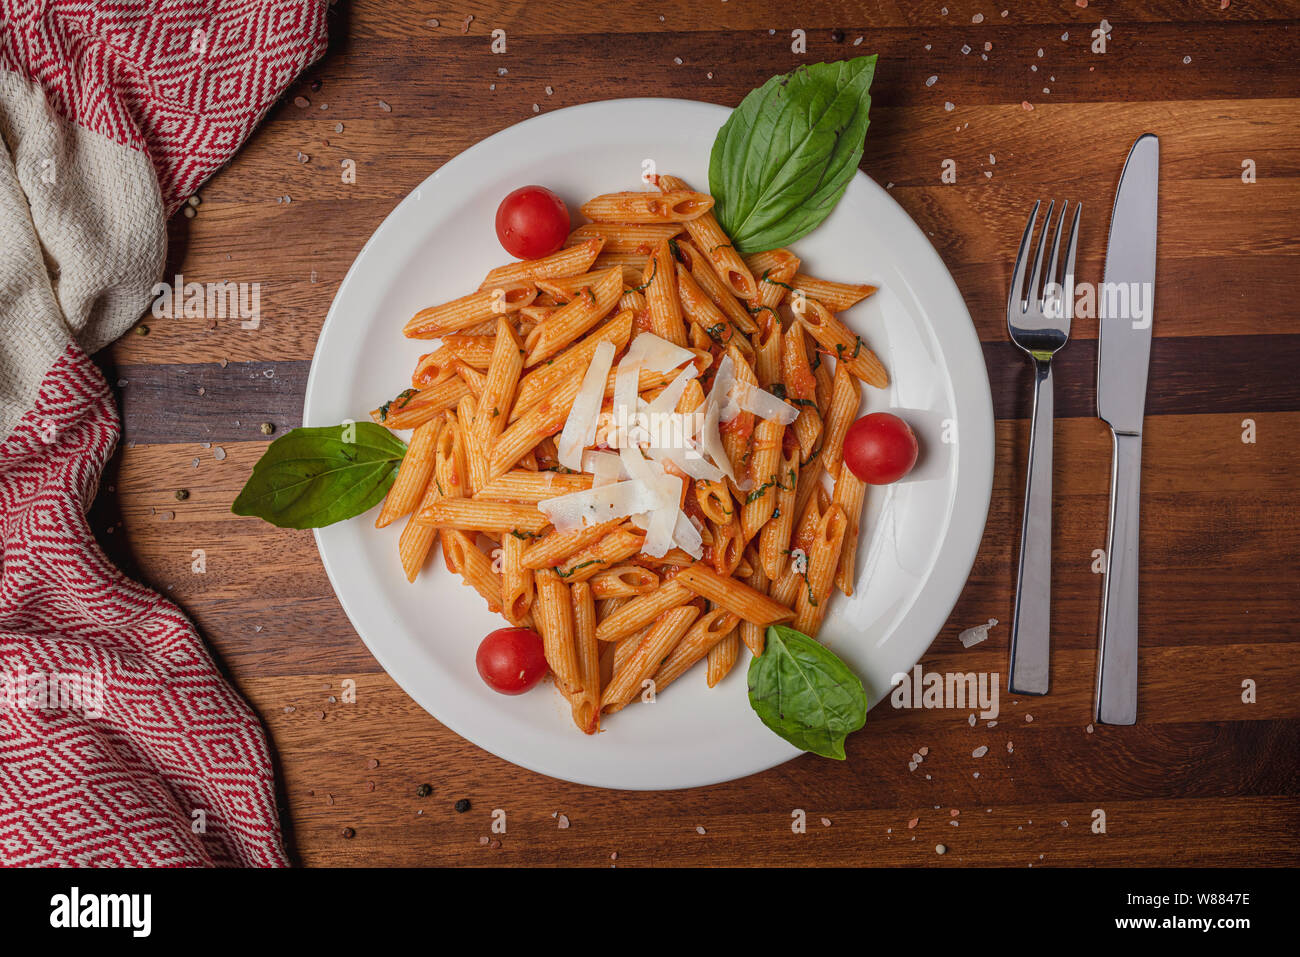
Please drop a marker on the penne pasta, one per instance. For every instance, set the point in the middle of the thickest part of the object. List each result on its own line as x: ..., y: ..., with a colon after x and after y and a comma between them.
x: 678, y: 206
x: 586, y: 700
x: 570, y: 364
x: 850, y: 491
x: 623, y: 581
x: 482, y: 306
x: 499, y: 389
x: 703, y: 535
x: 625, y: 237
x: 707, y: 631
x: 748, y: 603
x: 773, y: 272
x: 835, y: 296
x: 640, y: 612
x: 655, y: 645
x: 516, y: 580
x: 710, y: 239
x: 540, y: 421
x: 528, y: 487
x: 571, y: 261
x: 823, y: 560
x: 722, y: 658
x: 774, y: 537
x: 413, y: 407
x: 846, y: 397
x: 615, y: 547
x: 555, y: 624
x: 705, y: 276
x: 754, y: 636
x: 412, y: 475
x: 465, y: 560
x: 562, y: 327
x: 661, y: 296
x: 475, y: 515
x: 837, y: 340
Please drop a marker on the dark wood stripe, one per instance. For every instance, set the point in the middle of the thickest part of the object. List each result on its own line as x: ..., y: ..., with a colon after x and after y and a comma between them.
x: 1188, y: 375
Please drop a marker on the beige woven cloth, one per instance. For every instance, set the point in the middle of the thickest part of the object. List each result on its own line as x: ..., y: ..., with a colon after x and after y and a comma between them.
x: 82, y: 240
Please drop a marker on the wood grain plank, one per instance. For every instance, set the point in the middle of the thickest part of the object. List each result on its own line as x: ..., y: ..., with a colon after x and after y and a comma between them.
x: 1152, y: 780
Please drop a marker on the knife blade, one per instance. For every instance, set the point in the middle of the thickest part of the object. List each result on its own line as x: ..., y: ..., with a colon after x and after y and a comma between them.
x: 1126, y: 304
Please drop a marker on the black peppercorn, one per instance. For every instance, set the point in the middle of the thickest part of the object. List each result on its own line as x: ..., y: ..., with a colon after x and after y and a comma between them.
x: 462, y: 805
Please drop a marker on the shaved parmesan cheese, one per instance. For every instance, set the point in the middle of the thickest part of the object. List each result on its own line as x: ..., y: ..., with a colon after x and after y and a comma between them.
x: 663, y: 520
x: 711, y: 439
x: 580, y: 427
x: 607, y: 467
x: 750, y: 398
x: 570, y: 512
x: 687, y: 536
x: 637, y: 466
x: 689, y: 461
x: 666, y: 402
x: 723, y: 379
x: 625, y: 404
x: 656, y: 354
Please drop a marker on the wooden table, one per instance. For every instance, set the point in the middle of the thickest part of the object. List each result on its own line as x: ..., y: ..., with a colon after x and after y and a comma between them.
x: 1202, y: 779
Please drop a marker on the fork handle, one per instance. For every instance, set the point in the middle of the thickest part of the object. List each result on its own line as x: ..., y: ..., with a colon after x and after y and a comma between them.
x: 1031, y: 627
x: 1117, y: 658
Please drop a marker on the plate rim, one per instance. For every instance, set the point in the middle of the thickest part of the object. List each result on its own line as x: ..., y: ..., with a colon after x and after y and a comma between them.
x: 972, y: 492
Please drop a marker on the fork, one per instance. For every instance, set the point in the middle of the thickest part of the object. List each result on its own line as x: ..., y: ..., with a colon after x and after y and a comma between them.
x: 1038, y: 319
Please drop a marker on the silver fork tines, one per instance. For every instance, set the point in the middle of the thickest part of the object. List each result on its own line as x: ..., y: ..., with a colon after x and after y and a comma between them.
x: 1038, y: 319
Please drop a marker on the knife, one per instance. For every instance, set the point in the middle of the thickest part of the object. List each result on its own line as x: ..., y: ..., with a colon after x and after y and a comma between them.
x: 1125, y: 304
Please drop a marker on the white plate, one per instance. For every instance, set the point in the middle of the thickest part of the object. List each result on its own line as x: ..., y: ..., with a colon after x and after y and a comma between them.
x: 923, y: 533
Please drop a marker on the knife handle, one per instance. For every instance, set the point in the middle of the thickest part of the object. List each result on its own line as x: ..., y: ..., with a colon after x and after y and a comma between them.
x: 1117, y: 658
x: 1031, y: 626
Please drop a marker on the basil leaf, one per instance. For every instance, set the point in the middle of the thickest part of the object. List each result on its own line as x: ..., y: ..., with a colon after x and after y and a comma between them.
x: 309, y: 478
x: 804, y: 693
x: 785, y: 155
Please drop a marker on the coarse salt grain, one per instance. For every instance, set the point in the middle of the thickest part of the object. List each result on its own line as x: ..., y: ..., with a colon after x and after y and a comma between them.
x: 971, y: 720
x: 978, y: 18
x: 965, y: 48
x: 563, y: 822
x: 700, y: 830
x: 979, y: 752
x: 932, y: 80
x: 949, y: 106
x: 1027, y: 106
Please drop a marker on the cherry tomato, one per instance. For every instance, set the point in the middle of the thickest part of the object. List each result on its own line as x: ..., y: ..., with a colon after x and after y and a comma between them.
x: 510, y: 660
x: 532, y: 222
x: 880, y: 448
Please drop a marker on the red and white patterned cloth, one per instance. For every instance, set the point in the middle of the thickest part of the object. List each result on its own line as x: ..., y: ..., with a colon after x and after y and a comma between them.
x: 111, y: 115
